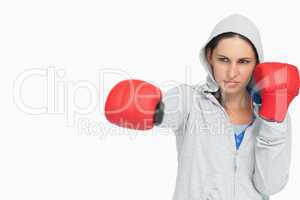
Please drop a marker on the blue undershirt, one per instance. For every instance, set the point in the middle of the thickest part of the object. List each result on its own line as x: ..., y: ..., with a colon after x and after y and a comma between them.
x: 239, y: 132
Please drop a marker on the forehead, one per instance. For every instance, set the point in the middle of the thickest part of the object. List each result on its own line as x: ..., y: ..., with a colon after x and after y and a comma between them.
x: 234, y: 48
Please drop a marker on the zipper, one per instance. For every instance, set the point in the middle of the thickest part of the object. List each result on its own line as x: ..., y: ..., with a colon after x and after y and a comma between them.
x: 236, y: 152
x: 235, y: 174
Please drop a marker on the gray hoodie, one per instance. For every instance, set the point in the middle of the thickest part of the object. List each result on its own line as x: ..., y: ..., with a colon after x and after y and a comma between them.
x: 209, y: 166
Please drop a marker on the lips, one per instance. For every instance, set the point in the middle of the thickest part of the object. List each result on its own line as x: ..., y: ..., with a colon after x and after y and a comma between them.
x: 230, y: 84
x: 231, y: 81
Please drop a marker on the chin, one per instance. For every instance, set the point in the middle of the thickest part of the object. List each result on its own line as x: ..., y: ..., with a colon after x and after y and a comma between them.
x: 233, y: 90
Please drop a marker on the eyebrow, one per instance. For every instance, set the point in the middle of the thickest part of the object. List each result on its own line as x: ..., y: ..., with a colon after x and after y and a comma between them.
x: 239, y: 58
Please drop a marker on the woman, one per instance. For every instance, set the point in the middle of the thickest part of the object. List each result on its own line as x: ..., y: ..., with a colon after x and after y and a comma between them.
x: 226, y: 150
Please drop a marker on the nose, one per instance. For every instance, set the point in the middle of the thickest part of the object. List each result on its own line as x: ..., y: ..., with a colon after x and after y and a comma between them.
x: 233, y: 71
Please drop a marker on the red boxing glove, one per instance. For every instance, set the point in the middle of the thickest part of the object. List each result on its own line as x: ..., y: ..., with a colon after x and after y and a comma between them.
x: 134, y: 104
x: 278, y: 84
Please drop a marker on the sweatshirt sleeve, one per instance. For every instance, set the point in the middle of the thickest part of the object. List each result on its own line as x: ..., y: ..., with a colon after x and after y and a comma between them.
x: 272, y: 155
x: 177, y: 105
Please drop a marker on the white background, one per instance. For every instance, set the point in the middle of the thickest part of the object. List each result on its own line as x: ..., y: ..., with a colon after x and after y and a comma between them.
x: 49, y: 156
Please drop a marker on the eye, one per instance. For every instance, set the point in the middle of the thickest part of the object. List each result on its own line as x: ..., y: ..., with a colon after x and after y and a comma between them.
x: 244, y: 61
x: 224, y: 59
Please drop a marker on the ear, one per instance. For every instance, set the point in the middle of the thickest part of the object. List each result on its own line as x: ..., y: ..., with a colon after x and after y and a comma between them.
x: 209, y: 56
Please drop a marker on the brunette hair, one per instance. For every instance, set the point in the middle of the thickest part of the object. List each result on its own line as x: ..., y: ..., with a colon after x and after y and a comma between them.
x: 215, y: 41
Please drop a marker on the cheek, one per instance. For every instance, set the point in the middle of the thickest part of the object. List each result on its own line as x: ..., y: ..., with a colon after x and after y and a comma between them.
x: 246, y: 73
x: 219, y: 71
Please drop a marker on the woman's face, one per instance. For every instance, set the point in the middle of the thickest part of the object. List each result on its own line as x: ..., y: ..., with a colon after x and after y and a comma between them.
x: 232, y: 61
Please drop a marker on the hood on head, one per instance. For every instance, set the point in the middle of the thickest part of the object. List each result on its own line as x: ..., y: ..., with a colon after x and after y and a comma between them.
x: 236, y: 23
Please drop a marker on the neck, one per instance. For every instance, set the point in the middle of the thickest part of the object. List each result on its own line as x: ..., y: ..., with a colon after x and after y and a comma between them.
x: 235, y: 101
